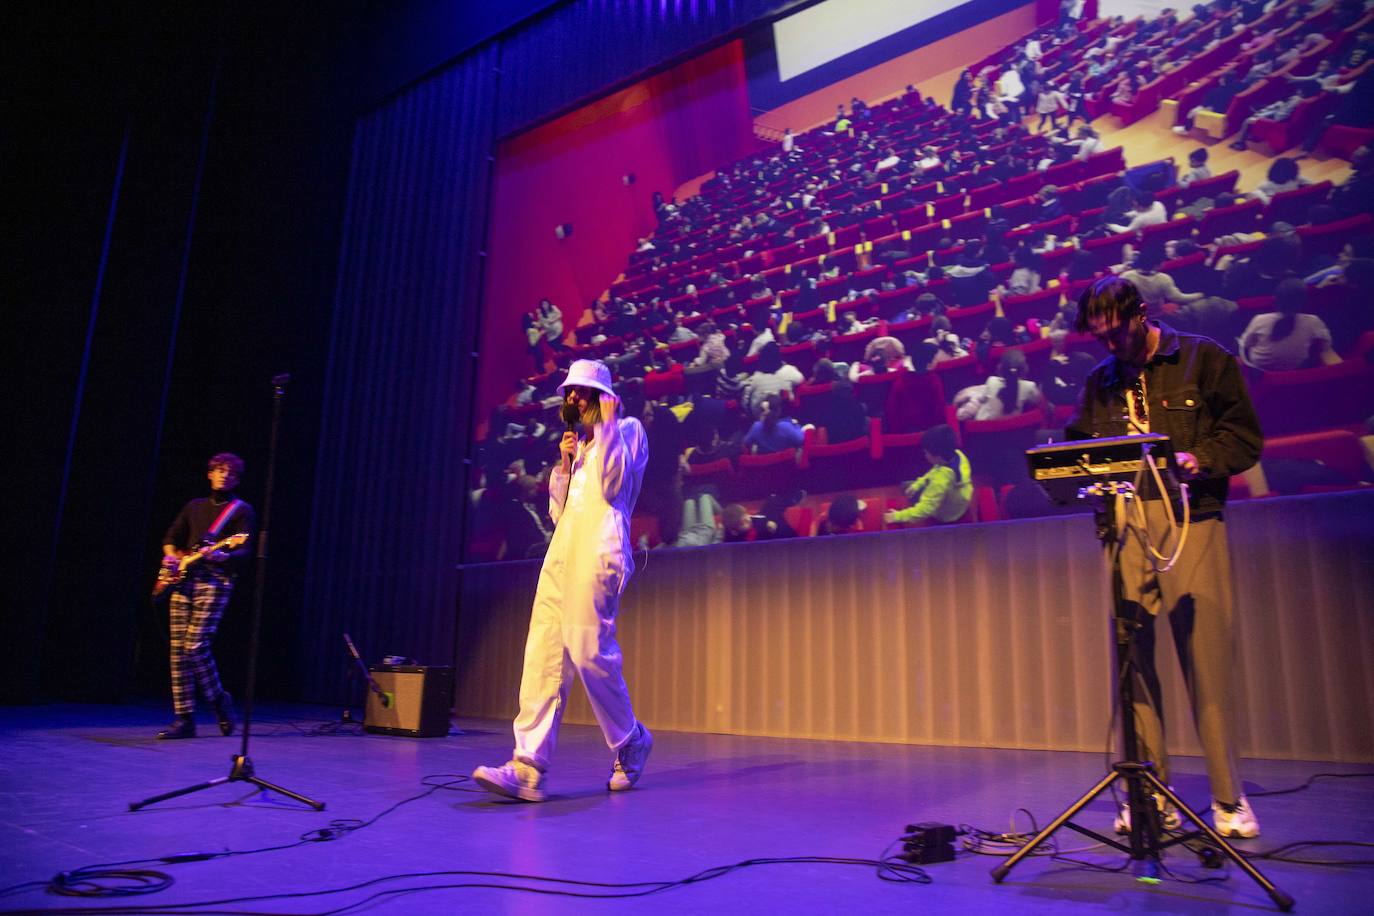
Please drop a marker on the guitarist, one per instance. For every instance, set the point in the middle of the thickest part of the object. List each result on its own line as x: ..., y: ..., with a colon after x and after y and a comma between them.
x: 200, y: 597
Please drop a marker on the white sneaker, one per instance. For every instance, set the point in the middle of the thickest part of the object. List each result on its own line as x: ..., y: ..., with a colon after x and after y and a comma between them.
x: 515, y: 779
x: 1168, y: 814
x: 1235, y: 821
x: 630, y: 759
x: 1180, y: 129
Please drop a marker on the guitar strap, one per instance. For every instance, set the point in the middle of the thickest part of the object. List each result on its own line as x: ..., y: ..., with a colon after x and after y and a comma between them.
x: 225, y: 514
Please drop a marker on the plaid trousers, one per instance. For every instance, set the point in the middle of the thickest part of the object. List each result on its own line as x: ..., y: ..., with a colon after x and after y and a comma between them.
x: 195, y: 609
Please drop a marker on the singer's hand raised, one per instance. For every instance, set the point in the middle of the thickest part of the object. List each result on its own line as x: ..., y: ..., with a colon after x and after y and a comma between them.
x: 567, y: 446
x: 609, y: 404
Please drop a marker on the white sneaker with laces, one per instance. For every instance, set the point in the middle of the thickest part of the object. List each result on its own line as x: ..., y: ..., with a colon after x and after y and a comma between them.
x: 1169, y: 818
x: 515, y: 779
x: 1236, y: 821
x: 630, y: 759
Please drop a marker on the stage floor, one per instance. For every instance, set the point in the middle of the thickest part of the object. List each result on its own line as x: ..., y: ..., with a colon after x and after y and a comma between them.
x: 67, y: 774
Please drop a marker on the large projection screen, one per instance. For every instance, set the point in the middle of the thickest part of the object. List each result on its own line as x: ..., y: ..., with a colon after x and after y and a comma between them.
x: 832, y: 29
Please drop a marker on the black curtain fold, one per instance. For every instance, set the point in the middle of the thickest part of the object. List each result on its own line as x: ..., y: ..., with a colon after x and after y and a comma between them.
x: 389, y: 481
x: 391, y: 470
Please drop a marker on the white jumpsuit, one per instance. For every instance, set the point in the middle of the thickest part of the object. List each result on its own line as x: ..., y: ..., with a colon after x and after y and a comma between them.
x: 589, y: 561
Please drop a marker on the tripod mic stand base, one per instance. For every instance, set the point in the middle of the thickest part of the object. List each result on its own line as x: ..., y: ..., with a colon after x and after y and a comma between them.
x: 241, y: 771
x: 1145, y: 844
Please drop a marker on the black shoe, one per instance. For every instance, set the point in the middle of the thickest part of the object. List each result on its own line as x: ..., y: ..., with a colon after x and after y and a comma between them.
x: 181, y: 727
x: 1239, y: 146
x: 224, y: 712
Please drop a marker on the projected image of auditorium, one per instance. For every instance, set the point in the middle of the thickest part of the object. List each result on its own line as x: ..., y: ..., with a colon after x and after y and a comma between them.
x: 834, y: 263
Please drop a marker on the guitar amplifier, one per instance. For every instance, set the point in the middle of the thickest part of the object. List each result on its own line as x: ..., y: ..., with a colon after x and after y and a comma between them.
x: 422, y: 696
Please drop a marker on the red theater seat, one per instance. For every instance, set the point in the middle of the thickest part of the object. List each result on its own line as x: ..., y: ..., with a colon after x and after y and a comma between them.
x: 720, y: 473
x: 958, y: 373
x: 839, y: 466
x: 1037, y: 353
x: 663, y: 384
x: 1208, y: 187
x: 1190, y: 271
x: 803, y: 356
x: 1171, y: 231
x: 849, y: 347
x: 987, y: 196
x: 1107, y: 251
x: 910, y: 333
x: 946, y: 207
x: 684, y: 351
x: 1228, y: 220
x: 1292, y: 206
x: 800, y: 518
x: 760, y: 475
x: 1330, y: 238
x: 1311, y: 399
x: 996, y: 448
x: 912, y: 218
x: 1104, y: 163
x: 1338, y: 449
x: 915, y: 402
x: 645, y: 526
x: 806, y: 400
x: 970, y: 320
x: 1017, y: 212
x: 984, y: 506
x: 873, y: 389
x: 1020, y: 309
x: 1342, y: 141
x: 968, y: 225
x: 1280, y: 135
x: 877, y: 226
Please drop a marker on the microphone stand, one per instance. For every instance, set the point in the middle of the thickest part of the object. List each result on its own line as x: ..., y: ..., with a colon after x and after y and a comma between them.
x: 242, y: 769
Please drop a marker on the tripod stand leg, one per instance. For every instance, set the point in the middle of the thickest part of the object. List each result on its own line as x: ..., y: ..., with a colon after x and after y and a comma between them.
x: 219, y: 781
x: 1281, y: 899
x: 1001, y: 871
x: 270, y: 787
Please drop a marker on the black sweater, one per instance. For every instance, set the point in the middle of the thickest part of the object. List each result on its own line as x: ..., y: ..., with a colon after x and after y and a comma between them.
x: 195, y: 518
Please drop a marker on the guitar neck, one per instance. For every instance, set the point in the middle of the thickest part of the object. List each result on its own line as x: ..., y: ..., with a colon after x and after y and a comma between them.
x: 227, y: 543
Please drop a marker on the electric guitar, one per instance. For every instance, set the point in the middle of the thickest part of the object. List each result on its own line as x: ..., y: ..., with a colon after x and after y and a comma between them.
x: 168, y: 575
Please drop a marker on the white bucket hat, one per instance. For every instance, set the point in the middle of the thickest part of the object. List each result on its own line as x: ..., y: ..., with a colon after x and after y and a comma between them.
x: 589, y: 373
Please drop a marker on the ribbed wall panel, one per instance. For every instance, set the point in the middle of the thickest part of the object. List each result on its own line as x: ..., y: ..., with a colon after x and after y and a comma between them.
x: 990, y: 635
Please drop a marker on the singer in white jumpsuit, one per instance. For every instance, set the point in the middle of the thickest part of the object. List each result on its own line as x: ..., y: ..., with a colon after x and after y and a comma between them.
x: 589, y: 561
x: 592, y: 494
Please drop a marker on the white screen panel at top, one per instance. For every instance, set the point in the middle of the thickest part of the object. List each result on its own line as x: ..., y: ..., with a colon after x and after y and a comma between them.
x: 821, y: 33
x: 1130, y: 9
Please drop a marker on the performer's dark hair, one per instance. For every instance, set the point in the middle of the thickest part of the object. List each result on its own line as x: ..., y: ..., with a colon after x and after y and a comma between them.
x: 940, y: 441
x: 1110, y: 298
x: 227, y: 459
x: 1289, y: 300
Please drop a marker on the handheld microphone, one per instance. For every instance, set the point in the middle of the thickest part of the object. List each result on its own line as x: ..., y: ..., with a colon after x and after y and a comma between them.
x: 570, y: 415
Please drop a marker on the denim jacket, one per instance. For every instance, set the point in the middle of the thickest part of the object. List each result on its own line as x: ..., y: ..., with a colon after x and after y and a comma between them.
x: 1197, y: 397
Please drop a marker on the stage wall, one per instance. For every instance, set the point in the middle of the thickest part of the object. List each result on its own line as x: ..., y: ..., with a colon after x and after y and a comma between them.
x: 990, y: 635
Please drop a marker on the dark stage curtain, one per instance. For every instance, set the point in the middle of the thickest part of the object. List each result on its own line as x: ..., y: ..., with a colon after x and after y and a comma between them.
x: 390, y: 477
